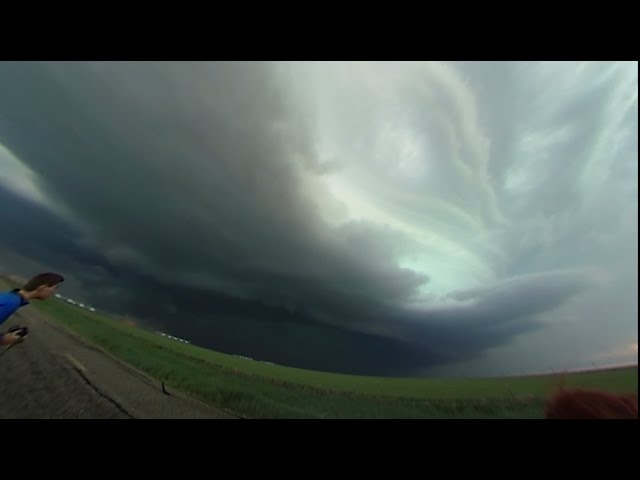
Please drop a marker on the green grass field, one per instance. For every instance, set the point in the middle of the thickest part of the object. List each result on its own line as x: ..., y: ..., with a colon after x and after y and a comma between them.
x: 260, y: 390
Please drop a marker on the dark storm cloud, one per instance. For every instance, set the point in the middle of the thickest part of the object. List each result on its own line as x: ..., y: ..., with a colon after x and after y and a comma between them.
x: 190, y: 196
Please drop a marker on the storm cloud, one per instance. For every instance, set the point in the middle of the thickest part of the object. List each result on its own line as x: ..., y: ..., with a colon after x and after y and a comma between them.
x: 378, y: 218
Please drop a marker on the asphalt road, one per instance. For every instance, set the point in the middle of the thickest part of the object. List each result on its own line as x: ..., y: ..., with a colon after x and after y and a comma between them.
x: 55, y: 374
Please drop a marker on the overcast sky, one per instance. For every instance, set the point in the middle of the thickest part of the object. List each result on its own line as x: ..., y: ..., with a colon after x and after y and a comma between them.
x: 381, y: 218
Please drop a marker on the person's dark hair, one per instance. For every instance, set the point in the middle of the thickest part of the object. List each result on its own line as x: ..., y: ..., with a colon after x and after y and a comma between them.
x: 49, y: 279
x: 583, y: 404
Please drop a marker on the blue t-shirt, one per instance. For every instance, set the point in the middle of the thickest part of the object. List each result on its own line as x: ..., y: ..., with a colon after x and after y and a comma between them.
x: 9, y: 303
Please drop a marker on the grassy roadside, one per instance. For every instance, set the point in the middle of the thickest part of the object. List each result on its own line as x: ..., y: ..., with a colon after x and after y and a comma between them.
x: 260, y: 390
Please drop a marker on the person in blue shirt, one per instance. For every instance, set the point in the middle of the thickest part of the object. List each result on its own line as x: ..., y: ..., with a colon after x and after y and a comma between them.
x: 40, y: 287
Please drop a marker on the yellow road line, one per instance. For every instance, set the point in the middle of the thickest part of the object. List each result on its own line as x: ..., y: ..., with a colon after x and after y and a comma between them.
x: 75, y: 363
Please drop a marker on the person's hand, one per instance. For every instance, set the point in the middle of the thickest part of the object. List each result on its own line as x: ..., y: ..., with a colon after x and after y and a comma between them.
x: 11, y: 338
